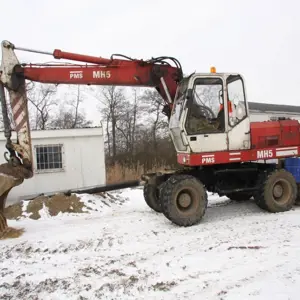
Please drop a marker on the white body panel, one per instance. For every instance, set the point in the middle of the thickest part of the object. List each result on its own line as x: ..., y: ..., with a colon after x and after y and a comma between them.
x: 209, y: 142
x: 239, y: 136
x: 175, y: 126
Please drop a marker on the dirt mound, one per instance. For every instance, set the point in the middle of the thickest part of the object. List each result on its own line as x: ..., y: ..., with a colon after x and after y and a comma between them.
x: 13, y: 211
x: 54, y: 205
x: 11, y: 233
x: 60, y: 203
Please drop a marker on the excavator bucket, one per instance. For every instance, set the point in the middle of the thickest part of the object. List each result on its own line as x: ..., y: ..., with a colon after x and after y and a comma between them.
x: 7, y: 182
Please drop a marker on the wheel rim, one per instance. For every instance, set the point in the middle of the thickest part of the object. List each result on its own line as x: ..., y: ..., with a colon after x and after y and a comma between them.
x: 281, y: 191
x: 186, y: 201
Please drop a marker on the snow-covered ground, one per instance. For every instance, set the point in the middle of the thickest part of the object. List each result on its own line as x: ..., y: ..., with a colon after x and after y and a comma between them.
x: 127, y: 251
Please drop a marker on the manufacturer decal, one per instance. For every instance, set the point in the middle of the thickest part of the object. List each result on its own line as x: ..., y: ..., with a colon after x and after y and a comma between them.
x: 76, y: 74
x: 101, y: 74
x: 265, y: 154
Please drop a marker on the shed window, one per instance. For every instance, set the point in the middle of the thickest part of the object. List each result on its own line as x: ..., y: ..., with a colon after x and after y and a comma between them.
x: 49, y: 157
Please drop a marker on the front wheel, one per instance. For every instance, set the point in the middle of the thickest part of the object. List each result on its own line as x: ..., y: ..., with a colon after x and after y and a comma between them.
x: 183, y: 200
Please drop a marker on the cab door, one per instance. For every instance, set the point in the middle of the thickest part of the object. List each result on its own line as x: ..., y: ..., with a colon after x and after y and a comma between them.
x: 238, y: 119
x: 205, y: 122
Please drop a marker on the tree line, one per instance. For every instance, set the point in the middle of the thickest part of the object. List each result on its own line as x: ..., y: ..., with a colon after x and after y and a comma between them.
x: 135, y: 130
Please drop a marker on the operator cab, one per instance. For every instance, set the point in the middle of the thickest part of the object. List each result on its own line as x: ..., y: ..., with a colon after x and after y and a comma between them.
x: 210, y: 114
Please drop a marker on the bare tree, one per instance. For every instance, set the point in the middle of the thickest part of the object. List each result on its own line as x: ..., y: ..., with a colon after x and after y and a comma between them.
x: 153, y: 104
x: 77, y: 98
x: 67, y: 118
x: 42, y: 99
x: 134, y: 117
x: 136, y: 132
x: 75, y: 104
x: 127, y: 123
x: 69, y: 114
x: 112, y: 99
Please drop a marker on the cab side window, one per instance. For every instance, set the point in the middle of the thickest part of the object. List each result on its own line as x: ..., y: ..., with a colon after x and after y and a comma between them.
x: 237, y: 100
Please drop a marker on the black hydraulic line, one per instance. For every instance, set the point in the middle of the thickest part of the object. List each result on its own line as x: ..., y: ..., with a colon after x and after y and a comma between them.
x: 106, y: 188
x: 90, y: 190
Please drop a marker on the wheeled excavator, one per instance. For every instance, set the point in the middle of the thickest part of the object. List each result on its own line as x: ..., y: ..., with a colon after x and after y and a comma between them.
x: 219, y: 149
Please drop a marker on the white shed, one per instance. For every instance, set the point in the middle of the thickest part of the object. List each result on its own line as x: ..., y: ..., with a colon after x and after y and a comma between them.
x: 63, y: 159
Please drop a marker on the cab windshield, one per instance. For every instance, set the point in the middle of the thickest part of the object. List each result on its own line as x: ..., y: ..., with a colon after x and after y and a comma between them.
x: 206, y: 114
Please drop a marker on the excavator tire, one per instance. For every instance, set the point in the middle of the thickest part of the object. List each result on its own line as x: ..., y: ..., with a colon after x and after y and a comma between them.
x: 183, y: 200
x: 297, y: 201
x: 151, y: 196
x: 277, y: 191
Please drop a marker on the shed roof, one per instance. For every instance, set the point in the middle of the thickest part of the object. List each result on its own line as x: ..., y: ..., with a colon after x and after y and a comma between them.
x: 264, y: 107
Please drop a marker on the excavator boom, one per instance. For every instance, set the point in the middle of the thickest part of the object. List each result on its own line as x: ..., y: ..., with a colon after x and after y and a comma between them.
x: 155, y: 72
x: 121, y: 71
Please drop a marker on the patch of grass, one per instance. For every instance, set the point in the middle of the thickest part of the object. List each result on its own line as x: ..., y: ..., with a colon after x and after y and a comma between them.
x: 119, y: 173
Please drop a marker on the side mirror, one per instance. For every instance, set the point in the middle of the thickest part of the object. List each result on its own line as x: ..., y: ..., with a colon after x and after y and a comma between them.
x: 189, y: 94
x: 221, y: 96
x: 189, y: 97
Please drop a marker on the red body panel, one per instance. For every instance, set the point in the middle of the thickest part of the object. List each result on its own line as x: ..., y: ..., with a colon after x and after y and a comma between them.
x: 224, y: 157
x: 274, y: 133
x: 269, y: 140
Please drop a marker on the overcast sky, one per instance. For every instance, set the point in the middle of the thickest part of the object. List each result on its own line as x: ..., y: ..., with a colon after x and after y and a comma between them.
x: 259, y: 39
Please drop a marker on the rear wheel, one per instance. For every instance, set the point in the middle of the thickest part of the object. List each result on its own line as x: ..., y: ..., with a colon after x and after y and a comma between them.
x: 151, y: 196
x: 277, y: 191
x: 183, y: 200
x: 297, y: 202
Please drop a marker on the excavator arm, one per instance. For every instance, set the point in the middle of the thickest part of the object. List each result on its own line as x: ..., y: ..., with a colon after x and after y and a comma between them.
x: 118, y: 70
